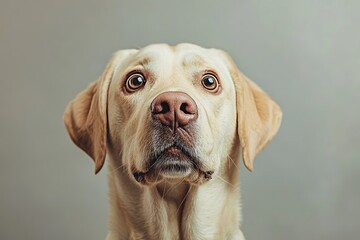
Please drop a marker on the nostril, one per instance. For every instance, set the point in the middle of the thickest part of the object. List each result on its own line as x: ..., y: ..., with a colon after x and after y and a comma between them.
x: 160, y: 107
x: 183, y: 108
x: 164, y: 107
x: 188, y: 108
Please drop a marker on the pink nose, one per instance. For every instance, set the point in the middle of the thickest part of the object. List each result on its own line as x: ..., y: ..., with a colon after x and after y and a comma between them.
x: 174, y: 109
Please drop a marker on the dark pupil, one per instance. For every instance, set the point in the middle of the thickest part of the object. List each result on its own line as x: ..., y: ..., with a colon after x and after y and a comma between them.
x: 209, y: 81
x: 137, y: 81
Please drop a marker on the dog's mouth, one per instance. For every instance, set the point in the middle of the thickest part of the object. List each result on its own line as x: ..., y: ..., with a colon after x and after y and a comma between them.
x: 172, y: 162
x: 173, y: 155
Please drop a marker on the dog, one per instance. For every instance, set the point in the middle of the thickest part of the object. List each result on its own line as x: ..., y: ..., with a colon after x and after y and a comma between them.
x: 172, y: 122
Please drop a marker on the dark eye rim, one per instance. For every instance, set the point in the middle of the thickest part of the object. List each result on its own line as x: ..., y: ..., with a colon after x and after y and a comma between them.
x: 217, y: 87
x: 131, y: 76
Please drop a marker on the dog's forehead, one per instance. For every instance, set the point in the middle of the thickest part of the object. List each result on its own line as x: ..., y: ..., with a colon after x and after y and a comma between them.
x: 189, y: 56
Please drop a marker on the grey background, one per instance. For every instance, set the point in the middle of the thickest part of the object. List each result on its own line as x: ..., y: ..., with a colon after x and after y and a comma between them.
x: 305, y: 54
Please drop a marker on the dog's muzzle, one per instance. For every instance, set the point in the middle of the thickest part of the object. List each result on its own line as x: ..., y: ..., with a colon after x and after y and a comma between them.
x: 173, y: 141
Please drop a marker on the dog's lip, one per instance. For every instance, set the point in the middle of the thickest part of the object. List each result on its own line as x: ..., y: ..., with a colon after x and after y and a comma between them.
x: 182, y: 156
x: 174, y: 149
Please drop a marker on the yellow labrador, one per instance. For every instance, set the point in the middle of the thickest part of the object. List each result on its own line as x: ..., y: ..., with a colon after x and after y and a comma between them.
x: 172, y: 122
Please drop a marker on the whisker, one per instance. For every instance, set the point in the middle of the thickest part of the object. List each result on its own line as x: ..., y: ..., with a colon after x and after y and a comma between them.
x: 228, y: 163
x: 152, y: 165
x: 225, y: 181
x: 163, y: 194
x: 183, y: 199
x: 232, y: 160
x: 157, y: 176
x: 175, y: 185
x: 118, y: 168
x: 172, y: 187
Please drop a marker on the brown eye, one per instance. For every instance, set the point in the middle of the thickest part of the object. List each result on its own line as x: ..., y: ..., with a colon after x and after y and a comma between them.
x: 210, y: 82
x: 134, y: 82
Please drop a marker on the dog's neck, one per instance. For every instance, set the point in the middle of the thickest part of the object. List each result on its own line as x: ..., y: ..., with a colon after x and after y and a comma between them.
x: 173, y: 209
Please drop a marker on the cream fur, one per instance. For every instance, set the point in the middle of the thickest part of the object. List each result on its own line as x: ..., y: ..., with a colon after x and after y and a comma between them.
x: 106, y: 120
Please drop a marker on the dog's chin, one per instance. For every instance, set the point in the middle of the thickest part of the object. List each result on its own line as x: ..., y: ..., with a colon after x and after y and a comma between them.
x: 173, y: 163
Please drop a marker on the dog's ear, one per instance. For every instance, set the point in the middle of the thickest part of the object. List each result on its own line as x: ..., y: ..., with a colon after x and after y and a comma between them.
x: 258, y: 116
x: 85, y: 117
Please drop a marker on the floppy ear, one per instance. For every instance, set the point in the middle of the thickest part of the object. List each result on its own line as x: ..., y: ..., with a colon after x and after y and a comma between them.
x: 258, y: 116
x: 85, y: 118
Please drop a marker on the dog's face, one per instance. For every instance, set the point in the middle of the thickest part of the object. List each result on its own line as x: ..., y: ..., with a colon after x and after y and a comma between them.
x: 175, y: 108
x: 172, y: 112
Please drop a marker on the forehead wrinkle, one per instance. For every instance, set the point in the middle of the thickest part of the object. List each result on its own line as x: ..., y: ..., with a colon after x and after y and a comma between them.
x: 195, y: 65
x: 143, y: 61
x: 193, y: 60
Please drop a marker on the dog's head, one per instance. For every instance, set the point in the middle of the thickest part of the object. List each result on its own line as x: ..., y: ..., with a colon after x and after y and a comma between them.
x: 171, y: 112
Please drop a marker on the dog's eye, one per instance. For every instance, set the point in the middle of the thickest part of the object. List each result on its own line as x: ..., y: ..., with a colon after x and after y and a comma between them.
x: 134, y: 82
x: 210, y: 82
